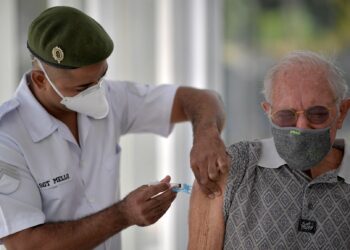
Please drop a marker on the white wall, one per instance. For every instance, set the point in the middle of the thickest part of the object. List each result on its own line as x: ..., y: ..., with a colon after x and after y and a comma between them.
x: 8, y: 45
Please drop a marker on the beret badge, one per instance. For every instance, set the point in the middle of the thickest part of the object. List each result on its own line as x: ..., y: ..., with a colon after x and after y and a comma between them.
x: 57, y: 54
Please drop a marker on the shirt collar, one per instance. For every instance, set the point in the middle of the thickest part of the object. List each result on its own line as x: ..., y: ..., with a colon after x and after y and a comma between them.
x: 344, y: 168
x: 37, y: 120
x: 269, y: 158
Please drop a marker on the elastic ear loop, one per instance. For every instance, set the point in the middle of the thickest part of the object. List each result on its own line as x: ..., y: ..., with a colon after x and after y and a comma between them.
x: 49, y: 80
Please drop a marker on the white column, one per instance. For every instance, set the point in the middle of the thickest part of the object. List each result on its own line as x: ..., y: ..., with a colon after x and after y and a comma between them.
x: 198, y: 43
x: 165, y: 74
x: 93, y: 9
x: 8, y: 42
x: 165, y: 42
x: 73, y: 3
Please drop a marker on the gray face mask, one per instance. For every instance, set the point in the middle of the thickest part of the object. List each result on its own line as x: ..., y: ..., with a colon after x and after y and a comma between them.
x: 301, y: 148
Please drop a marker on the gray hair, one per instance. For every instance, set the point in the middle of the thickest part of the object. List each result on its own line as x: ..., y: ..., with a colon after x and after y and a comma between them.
x: 335, y: 75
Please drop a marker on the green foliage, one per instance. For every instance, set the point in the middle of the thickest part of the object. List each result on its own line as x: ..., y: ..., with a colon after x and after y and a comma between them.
x: 277, y: 26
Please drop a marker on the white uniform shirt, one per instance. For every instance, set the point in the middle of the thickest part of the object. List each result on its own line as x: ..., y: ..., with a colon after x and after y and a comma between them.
x: 45, y: 176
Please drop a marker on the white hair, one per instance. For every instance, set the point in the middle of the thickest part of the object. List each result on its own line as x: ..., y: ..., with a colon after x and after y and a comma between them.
x: 335, y: 76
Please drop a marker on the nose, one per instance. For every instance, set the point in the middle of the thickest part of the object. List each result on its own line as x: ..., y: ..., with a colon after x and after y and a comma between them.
x: 302, y: 121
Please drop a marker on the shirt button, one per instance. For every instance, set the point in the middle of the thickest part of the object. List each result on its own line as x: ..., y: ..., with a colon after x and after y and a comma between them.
x: 91, y: 200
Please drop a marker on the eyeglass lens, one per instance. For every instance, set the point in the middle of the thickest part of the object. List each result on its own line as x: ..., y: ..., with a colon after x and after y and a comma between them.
x: 288, y: 118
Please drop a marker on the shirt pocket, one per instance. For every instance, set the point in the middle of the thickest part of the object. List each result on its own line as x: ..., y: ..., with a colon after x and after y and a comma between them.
x: 62, y: 195
x: 56, y: 186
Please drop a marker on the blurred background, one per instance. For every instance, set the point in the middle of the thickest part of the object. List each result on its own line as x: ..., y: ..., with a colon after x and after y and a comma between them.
x: 224, y: 45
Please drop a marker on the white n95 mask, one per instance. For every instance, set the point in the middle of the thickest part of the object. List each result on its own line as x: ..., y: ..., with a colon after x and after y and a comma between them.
x: 92, y: 101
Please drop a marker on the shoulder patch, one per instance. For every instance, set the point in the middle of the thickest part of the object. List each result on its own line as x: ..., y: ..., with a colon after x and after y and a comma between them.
x: 9, y: 178
x: 7, y: 107
x: 8, y: 184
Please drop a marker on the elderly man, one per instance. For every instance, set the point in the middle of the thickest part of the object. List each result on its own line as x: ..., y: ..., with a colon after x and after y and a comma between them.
x: 59, y: 135
x: 291, y: 191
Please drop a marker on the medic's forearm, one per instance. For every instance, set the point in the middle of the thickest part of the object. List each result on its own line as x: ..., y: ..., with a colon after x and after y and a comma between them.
x: 204, y: 108
x: 85, y: 233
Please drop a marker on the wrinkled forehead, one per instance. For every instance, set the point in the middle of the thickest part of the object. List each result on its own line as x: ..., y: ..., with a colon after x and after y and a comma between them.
x: 303, y: 71
x: 303, y: 83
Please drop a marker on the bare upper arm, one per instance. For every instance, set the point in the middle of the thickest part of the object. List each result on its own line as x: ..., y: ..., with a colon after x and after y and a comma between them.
x: 206, y: 221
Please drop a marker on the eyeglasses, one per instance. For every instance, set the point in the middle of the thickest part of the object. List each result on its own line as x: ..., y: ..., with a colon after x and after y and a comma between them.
x: 288, y: 117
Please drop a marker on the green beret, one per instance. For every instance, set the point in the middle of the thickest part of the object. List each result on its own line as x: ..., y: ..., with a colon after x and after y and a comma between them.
x: 68, y: 38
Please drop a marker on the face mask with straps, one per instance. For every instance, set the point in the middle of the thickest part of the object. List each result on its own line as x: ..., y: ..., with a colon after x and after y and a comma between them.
x: 91, y: 102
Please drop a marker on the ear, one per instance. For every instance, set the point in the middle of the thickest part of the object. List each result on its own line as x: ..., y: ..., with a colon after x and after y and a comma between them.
x: 266, y: 107
x: 343, y: 110
x: 38, y: 79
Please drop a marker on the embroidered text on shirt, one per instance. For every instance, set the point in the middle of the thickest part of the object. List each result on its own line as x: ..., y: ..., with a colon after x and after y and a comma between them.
x: 54, y: 181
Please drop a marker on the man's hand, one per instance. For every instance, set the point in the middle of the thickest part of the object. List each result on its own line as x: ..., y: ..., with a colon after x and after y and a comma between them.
x: 205, y: 110
x: 145, y: 205
x: 208, y: 161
